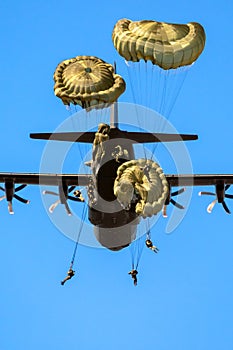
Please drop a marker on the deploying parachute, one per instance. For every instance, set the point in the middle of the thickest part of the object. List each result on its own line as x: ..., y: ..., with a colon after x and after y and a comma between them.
x: 166, y: 45
x: 87, y: 81
x: 158, y: 56
x: 141, y: 182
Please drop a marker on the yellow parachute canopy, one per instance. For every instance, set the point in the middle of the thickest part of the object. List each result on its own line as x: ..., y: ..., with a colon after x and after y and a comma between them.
x: 87, y: 81
x: 164, y: 44
x: 141, y: 181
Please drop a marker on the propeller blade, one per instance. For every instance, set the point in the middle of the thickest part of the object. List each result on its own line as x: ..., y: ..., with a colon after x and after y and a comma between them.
x: 10, y: 208
x: 53, y: 206
x: 71, y: 189
x: 178, y: 192
x: 2, y: 197
x: 67, y: 209
x: 22, y: 200
x: 50, y: 192
x: 2, y: 189
x: 226, y: 207
x: 227, y: 187
x: 19, y: 188
x: 207, y: 193
x: 211, y: 205
x: 229, y: 196
x: 177, y: 205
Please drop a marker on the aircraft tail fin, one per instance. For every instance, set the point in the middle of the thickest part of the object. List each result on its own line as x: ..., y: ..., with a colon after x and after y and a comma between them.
x: 133, y: 136
x: 86, y: 137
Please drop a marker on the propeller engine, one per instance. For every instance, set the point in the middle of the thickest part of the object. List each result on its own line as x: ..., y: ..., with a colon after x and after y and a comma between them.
x: 220, y: 194
x: 10, y: 194
x: 64, y: 196
x: 172, y: 201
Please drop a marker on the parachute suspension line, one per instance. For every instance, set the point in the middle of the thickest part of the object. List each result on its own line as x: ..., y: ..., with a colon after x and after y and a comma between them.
x: 160, y: 87
x: 71, y: 272
x: 163, y: 87
x: 148, y: 234
x: 136, y: 249
x: 146, y: 85
x: 71, y: 114
x: 136, y: 70
x: 132, y: 257
x: 69, y: 110
x: 85, y: 147
x: 134, y: 100
x: 150, y: 88
x: 81, y: 149
x: 164, y: 92
x: 143, y: 91
x: 177, y: 90
x: 131, y: 86
x: 178, y: 83
x: 78, y: 236
x: 139, y: 251
x: 101, y: 113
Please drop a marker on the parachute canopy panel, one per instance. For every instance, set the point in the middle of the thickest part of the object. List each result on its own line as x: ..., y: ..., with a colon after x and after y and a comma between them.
x: 164, y: 44
x: 87, y: 81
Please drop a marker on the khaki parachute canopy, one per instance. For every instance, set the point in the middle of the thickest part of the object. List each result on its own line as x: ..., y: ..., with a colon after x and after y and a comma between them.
x: 87, y: 81
x: 164, y: 44
x: 142, y: 182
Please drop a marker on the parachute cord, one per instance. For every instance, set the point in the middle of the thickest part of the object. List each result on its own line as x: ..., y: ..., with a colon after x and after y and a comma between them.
x: 137, y: 71
x: 158, y: 78
x: 139, y: 251
x: 177, y: 93
x: 162, y: 105
x: 164, y: 93
x: 141, y: 100
x: 174, y: 99
x: 72, y: 117
x: 78, y: 236
x: 146, y: 81
x: 159, y: 96
x: 134, y: 99
x: 136, y: 250
x: 149, y: 100
x: 148, y: 93
x: 132, y: 90
x: 132, y: 260
x: 132, y: 251
x: 148, y: 234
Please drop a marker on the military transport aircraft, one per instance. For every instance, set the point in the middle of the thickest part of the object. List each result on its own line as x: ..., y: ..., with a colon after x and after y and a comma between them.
x: 114, y: 223
x: 121, y: 190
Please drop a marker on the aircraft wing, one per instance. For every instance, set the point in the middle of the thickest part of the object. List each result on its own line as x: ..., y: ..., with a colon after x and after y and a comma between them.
x: 45, y: 179
x: 221, y: 182
x: 83, y: 179
x: 199, y: 179
x: 66, y: 183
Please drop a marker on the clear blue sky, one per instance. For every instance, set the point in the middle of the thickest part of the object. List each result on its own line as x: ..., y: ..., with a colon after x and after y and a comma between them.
x: 184, y: 297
